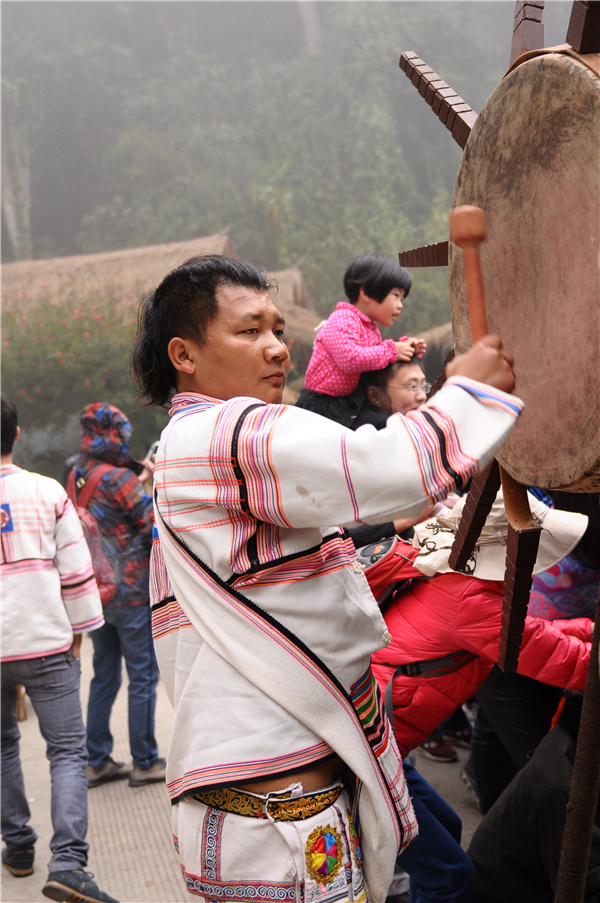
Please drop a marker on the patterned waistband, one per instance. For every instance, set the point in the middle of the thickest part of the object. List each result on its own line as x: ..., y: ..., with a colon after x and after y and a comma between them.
x: 279, y: 806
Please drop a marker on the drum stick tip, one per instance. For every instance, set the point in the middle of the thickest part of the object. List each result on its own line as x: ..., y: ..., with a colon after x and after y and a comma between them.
x: 467, y: 226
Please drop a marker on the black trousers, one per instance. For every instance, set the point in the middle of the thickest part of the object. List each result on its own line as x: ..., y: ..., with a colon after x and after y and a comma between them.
x: 515, y: 713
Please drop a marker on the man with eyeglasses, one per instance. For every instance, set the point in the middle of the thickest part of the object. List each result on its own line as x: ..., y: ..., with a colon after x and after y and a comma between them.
x: 413, y: 387
x: 396, y: 389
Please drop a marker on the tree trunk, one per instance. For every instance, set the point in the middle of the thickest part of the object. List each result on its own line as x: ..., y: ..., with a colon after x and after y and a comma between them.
x: 312, y: 26
x: 16, y: 193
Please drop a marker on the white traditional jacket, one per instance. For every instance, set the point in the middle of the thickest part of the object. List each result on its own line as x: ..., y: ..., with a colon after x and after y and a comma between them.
x: 263, y: 620
x: 49, y: 591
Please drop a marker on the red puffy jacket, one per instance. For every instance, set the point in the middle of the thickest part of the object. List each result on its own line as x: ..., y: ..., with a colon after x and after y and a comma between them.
x: 448, y: 613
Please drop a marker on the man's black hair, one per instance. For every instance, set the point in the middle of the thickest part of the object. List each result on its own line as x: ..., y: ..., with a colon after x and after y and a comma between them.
x: 10, y: 422
x: 183, y: 305
x: 377, y: 274
x: 380, y: 378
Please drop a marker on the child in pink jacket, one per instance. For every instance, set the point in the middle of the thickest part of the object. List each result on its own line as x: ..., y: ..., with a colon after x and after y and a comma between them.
x: 349, y: 342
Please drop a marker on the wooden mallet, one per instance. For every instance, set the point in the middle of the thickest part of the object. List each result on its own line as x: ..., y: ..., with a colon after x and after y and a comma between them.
x: 467, y: 231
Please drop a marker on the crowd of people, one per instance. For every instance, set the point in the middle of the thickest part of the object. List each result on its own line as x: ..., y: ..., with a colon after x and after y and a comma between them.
x: 303, y: 671
x: 50, y: 599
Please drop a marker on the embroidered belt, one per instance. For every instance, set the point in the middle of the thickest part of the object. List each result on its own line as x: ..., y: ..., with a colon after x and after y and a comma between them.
x: 279, y: 806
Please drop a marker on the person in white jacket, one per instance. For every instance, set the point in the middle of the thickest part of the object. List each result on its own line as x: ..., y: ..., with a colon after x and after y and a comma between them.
x: 285, y: 777
x: 49, y: 598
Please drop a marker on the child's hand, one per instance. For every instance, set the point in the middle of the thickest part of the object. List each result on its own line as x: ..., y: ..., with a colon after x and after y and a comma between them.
x: 419, y: 346
x: 404, y: 350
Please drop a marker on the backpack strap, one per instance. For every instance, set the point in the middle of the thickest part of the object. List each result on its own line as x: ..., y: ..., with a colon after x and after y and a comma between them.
x: 71, y: 487
x: 432, y: 667
x: 90, y: 484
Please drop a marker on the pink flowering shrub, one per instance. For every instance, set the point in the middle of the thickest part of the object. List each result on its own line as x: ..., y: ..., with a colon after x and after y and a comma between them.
x: 58, y: 356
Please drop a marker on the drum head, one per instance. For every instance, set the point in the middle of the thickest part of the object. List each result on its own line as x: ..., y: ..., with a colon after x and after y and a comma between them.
x: 532, y: 163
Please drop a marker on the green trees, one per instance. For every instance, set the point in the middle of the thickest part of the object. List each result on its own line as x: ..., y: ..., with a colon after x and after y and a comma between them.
x: 59, y: 78
x: 132, y: 124
x: 289, y: 126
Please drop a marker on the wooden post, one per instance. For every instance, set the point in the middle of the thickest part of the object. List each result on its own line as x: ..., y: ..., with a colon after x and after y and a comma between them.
x: 528, y: 28
x: 585, y: 786
x: 478, y: 505
x: 583, y: 33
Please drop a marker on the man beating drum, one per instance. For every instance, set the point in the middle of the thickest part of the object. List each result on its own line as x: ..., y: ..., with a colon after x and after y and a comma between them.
x: 282, y: 768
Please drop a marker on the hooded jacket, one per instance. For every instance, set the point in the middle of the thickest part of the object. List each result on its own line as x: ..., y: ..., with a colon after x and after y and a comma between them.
x: 119, y: 503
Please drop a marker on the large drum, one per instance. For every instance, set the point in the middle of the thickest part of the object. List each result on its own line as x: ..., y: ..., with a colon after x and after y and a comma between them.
x: 532, y: 163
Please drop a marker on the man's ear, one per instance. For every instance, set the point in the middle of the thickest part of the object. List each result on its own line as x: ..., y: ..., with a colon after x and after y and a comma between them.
x: 181, y: 355
x: 374, y: 396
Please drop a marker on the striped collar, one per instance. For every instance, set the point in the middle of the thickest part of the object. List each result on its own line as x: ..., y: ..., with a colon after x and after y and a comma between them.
x: 7, y: 469
x: 190, y: 399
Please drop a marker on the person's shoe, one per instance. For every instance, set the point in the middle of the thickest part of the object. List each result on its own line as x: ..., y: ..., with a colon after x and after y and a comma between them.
x: 461, y: 738
x: 469, y: 780
x: 141, y: 776
x: 111, y: 771
x: 74, y: 886
x: 18, y: 860
x: 438, y: 751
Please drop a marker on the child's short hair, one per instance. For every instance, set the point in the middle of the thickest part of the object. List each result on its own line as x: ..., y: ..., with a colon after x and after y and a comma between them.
x: 377, y: 274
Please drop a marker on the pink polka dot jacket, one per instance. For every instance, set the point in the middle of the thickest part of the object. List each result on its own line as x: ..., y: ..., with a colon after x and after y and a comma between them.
x: 348, y: 344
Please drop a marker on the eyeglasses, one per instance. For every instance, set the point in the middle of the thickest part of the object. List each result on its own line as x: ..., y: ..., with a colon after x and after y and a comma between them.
x: 422, y: 387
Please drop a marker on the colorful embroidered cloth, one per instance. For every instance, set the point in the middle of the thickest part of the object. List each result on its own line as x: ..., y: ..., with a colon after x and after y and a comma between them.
x: 569, y: 589
x: 230, y: 857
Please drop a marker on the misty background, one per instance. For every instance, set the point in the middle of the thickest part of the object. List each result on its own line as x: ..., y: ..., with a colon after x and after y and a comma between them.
x: 287, y: 124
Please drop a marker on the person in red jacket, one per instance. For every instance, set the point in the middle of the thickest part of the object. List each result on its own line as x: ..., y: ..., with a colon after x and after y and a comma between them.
x: 446, y: 629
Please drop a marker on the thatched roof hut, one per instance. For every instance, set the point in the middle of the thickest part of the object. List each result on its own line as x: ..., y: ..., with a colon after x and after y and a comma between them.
x: 131, y: 272
x: 126, y: 271
x: 128, y: 274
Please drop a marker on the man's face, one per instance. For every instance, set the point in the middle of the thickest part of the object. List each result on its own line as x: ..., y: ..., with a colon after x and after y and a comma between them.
x: 400, y: 389
x: 243, y: 352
